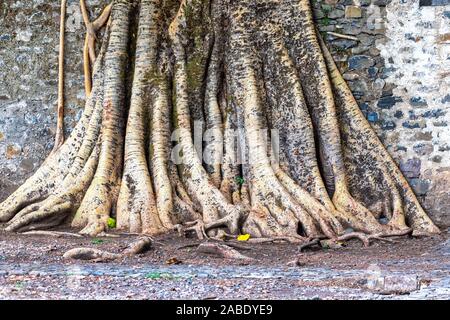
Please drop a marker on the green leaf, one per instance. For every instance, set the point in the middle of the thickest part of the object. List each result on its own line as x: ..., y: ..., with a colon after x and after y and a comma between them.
x: 325, y: 21
x: 97, y: 241
x: 153, y: 275
x: 158, y: 275
x: 326, y: 8
x: 111, y: 223
x: 240, y: 180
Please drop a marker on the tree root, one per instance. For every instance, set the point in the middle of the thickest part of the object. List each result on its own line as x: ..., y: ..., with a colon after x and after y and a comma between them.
x: 95, y: 255
x: 237, y: 245
x: 364, y: 238
x: 136, y: 205
x: 59, y: 137
x: 197, y: 226
x: 92, y: 28
x: 280, y: 239
x: 142, y: 245
x: 223, y: 251
x: 56, y: 234
x: 90, y: 254
x: 231, y: 222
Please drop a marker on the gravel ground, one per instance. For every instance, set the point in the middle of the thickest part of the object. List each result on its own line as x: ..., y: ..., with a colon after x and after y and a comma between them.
x: 31, y: 267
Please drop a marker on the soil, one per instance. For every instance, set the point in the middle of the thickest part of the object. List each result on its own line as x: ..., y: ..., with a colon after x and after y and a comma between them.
x: 32, y: 267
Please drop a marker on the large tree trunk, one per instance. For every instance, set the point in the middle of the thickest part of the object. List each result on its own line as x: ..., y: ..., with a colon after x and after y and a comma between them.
x: 231, y: 72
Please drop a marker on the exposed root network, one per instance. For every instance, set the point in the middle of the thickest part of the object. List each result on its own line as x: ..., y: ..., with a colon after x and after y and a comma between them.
x: 217, y: 118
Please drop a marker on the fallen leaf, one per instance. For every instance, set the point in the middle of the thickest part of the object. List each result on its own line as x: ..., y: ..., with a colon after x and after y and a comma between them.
x: 173, y: 261
x: 243, y: 237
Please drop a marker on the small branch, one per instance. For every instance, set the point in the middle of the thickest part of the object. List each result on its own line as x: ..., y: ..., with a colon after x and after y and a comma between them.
x: 84, y: 12
x: 188, y: 246
x: 308, y: 244
x: 280, y: 239
x: 87, y: 68
x: 237, y: 245
x: 56, y: 234
x: 222, y: 250
x: 343, y: 36
x: 107, y: 235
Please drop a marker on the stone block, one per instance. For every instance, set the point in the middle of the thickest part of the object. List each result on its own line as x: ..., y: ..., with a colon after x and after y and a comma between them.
x: 360, y: 62
x: 411, y: 167
x: 394, y: 284
x: 352, y: 12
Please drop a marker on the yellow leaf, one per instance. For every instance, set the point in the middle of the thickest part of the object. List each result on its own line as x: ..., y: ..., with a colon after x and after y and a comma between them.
x: 243, y: 237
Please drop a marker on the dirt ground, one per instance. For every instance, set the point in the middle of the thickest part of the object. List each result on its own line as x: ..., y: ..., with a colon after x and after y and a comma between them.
x: 32, y: 267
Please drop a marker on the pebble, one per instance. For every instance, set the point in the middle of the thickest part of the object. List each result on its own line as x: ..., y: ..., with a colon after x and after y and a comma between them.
x: 360, y: 62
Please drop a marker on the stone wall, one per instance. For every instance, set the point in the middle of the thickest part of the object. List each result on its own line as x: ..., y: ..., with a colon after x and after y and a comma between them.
x: 417, y: 55
x: 397, y: 63
x: 394, y: 55
x: 29, y: 45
